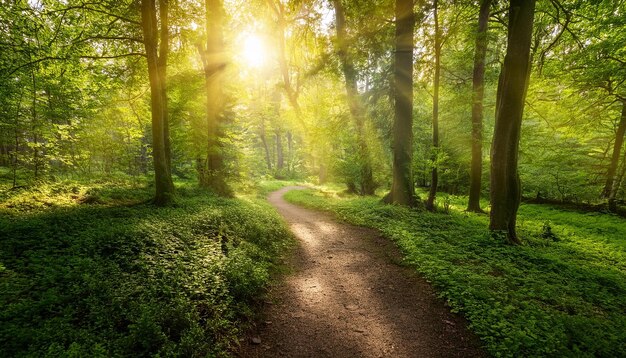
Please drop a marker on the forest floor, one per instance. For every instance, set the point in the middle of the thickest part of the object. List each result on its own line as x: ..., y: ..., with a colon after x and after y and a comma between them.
x: 350, y: 295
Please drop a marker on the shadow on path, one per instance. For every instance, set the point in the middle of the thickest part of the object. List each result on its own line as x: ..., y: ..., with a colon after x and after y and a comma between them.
x: 349, y: 297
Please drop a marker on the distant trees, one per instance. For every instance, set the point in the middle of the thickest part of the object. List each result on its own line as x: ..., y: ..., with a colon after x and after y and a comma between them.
x: 344, y: 96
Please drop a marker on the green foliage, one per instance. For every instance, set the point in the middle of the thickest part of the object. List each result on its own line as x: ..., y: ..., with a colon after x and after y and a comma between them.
x: 545, y: 298
x: 118, y: 277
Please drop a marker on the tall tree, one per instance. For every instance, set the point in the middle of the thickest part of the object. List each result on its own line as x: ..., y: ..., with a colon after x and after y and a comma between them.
x: 402, y: 189
x: 157, y: 49
x: 292, y: 92
x: 612, y: 178
x: 214, y: 63
x: 512, y: 87
x: 430, y: 202
x: 357, y: 111
x: 478, y: 91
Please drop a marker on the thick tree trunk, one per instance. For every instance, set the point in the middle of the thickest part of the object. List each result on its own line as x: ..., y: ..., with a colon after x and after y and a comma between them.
x: 163, y: 179
x: 478, y: 91
x: 402, y: 188
x: 611, y: 185
x: 512, y: 86
x: 430, y: 202
x: 366, y: 182
x: 214, y: 64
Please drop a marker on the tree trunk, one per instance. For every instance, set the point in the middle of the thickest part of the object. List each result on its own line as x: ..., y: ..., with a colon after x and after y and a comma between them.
x: 289, y: 151
x: 278, y: 132
x: 611, y: 185
x: 291, y: 92
x: 430, y: 202
x: 214, y: 62
x: 280, y: 157
x: 163, y: 178
x: 478, y: 87
x: 164, y: 50
x: 16, y: 137
x: 402, y: 188
x: 618, y: 183
x: 34, y: 126
x: 366, y: 182
x: 512, y: 87
x: 268, y: 160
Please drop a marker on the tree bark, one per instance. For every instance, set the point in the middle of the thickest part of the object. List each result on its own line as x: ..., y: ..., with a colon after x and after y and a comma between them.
x: 214, y: 61
x: 617, y: 147
x: 15, y: 157
x: 612, y: 181
x: 268, y: 160
x: 34, y: 126
x: 164, y: 50
x: 478, y: 87
x: 402, y: 188
x: 430, y: 202
x: 289, y: 151
x: 366, y: 180
x: 280, y: 157
x: 512, y: 87
x: 163, y: 177
x: 291, y: 92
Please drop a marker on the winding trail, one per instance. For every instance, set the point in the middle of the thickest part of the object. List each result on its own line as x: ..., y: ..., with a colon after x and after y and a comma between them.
x: 349, y: 296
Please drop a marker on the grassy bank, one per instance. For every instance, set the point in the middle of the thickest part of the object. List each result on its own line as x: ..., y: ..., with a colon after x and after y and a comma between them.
x: 91, y: 270
x: 563, y: 293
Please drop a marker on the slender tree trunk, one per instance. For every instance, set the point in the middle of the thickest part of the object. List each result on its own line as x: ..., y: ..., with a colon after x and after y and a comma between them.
x: 163, y: 178
x: 617, y: 147
x: 289, y: 151
x: 214, y: 60
x: 478, y: 86
x: 34, y: 127
x: 512, y: 87
x: 292, y: 93
x: 15, y: 158
x: 280, y: 157
x: 612, y: 180
x: 164, y: 50
x: 619, y: 182
x: 430, y: 202
x: 278, y: 132
x: 367, y: 186
x: 268, y: 160
x: 402, y: 188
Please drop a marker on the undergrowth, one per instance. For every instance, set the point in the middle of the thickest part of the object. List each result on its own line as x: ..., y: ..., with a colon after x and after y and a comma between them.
x: 94, y: 270
x: 563, y: 293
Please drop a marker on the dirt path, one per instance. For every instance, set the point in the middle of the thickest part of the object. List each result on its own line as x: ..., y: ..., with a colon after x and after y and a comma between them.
x: 349, y: 297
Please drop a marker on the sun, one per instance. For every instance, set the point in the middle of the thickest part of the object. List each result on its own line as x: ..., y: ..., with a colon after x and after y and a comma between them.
x: 254, y: 51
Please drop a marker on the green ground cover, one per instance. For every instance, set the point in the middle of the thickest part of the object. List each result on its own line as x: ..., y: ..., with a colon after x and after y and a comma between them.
x: 91, y: 270
x: 563, y: 293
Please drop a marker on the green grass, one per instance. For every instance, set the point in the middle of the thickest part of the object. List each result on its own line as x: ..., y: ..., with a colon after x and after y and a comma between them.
x: 91, y: 270
x: 553, y: 296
